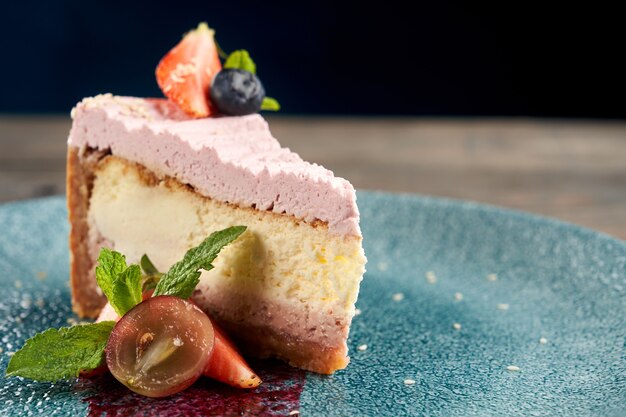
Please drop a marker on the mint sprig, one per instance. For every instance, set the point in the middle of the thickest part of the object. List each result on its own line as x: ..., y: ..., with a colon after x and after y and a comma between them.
x: 120, y: 283
x: 240, y: 59
x: 151, y: 273
x: 184, y: 275
x: 270, y: 104
x: 61, y: 353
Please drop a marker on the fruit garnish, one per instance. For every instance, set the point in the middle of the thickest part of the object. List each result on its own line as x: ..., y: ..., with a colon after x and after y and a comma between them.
x: 69, y: 352
x: 161, y: 346
x: 237, y: 92
x: 227, y: 365
x: 191, y: 76
x: 185, y: 73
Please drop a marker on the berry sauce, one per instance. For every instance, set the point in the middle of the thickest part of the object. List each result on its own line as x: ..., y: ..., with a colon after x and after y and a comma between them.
x: 278, y: 395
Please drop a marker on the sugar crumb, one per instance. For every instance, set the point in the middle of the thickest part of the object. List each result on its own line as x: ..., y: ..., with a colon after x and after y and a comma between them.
x: 362, y: 347
x: 398, y: 296
x: 512, y: 368
x: 458, y: 296
x: 492, y: 277
x: 409, y: 382
x: 431, y: 277
x: 543, y: 340
x: 502, y: 306
x: 357, y: 312
x: 456, y: 326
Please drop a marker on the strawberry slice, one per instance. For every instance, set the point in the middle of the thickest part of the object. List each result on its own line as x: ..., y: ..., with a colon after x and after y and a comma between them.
x: 186, y: 72
x: 227, y: 365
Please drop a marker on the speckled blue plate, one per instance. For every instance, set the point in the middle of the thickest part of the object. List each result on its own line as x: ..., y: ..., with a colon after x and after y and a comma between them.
x: 466, y: 310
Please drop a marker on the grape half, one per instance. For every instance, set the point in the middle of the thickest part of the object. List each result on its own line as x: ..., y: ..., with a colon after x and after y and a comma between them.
x: 161, y: 346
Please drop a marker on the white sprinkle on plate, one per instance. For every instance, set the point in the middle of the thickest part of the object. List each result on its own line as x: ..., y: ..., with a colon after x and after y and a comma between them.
x: 543, y: 340
x: 431, y: 277
x: 512, y: 368
x: 503, y: 306
x: 456, y: 326
x: 398, y: 296
x: 362, y: 347
x: 458, y: 296
x: 409, y: 382
x: 357, y: 312
x: 492, y: 277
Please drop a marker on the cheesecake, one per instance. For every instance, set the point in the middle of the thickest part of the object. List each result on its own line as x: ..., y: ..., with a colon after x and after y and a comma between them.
x: 143, y: 177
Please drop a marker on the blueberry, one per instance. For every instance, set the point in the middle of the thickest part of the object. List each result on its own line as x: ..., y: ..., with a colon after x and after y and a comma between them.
x: 237, y: 92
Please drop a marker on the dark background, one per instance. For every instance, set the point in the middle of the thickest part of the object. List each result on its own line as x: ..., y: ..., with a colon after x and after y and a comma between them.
x: 320, y: 57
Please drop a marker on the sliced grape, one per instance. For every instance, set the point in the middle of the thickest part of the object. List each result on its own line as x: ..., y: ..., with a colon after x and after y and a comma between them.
x: 161, y: 346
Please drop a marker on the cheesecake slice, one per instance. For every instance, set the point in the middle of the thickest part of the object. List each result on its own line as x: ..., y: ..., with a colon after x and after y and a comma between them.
x: 142, y: 177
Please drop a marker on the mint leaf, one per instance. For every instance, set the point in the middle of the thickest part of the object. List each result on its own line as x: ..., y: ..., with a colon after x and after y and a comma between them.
x: 120, y: 283
x: 111, y: 264
x: 127, y: 290
x: 147, y: 266
x: 184, y: 275
x: 61, y: 353
x: 270, y: 104
x: 240, y: 59
x: 152, y: 275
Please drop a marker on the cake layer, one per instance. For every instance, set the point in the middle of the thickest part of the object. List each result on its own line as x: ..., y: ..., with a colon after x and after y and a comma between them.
x: 230, y: 159
x: 293, y: 281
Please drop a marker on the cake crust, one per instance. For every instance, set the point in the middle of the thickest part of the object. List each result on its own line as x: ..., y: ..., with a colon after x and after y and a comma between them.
x: 87, y: 299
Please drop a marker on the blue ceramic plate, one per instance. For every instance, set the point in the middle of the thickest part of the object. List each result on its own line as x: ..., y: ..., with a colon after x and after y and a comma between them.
x: 466, y: 310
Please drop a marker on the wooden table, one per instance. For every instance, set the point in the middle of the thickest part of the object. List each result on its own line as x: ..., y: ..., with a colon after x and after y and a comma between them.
x: 572, y: 170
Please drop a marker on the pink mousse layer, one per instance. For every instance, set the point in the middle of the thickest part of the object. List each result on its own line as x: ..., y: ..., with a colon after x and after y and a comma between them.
x: 231, y: 159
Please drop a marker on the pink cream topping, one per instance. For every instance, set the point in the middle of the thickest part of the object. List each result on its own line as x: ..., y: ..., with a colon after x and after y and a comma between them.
x: 230, y: 159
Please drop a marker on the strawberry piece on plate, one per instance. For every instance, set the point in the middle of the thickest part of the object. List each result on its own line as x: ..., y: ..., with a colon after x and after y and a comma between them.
x: 186, y: 72
x: 227, y: 365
